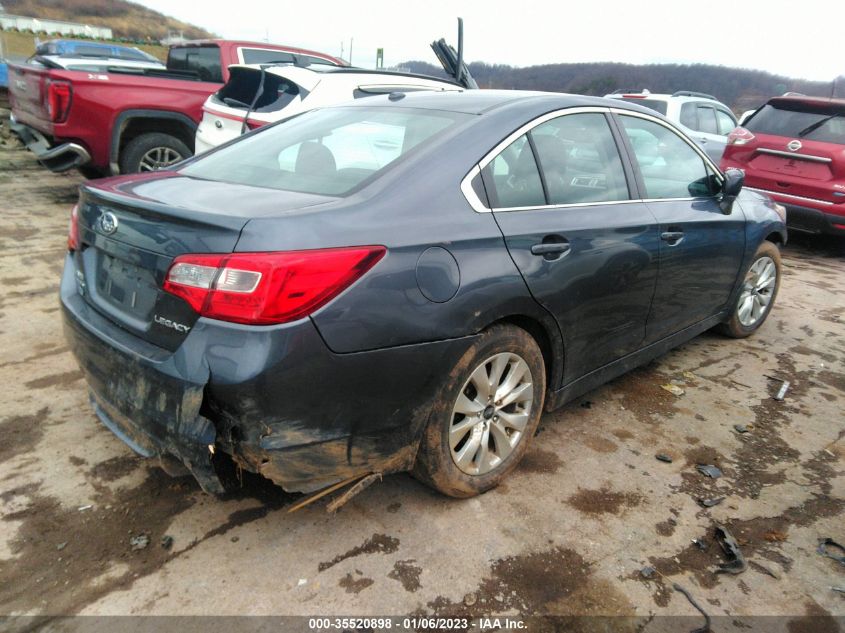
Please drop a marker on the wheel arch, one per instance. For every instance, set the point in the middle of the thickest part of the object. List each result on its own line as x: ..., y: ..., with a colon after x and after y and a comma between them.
x: 545, y: 332
x: 130, y: 124
x: 777, y: 237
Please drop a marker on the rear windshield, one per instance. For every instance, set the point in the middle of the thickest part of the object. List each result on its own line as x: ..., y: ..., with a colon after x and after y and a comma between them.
x: 204, y: 61
x: 328, y: 152
x: 654, y: 104
x: 242, y: 89
x: 800, y: 121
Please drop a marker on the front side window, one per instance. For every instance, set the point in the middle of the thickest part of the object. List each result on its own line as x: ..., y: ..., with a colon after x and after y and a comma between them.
x: 688, y: 117
x: 579, y: 159
x: 267, y: 56
x: 512, y: 178
x: 263, y: 56
x: 329, y: 152
x: 670, y: 168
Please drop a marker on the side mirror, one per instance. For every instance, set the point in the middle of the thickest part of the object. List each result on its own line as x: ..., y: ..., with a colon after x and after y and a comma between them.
x: 734, y: 179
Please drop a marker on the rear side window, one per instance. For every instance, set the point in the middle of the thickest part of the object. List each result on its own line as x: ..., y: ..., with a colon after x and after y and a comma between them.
x: 817, y: 124
x: 328, y: 152
x: 242, y: 89
x: 670, y: 168
x: 726, y: 122
x: 579, y: 160
x: 512, y: 178
x: 202, y: 60
x: 707, y: 120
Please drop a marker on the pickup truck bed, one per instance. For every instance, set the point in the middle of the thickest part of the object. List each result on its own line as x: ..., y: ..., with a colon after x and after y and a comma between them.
x: 125, y: 120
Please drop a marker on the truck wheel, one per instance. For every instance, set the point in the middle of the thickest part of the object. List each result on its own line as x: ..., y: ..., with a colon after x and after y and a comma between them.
x: 152, y: 151
x: 758, y: 293
x: 485, y: 416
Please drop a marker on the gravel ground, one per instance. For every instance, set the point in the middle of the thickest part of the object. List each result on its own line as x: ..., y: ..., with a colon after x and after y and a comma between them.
x: 567, y: 534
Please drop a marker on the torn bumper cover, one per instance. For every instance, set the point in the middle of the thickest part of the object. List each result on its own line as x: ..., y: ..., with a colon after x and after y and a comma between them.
x: 57, y: 159
x: 275, y: 399
x: 143, y: 396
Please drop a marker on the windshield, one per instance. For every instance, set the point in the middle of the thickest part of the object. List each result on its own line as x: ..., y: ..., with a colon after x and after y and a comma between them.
x: 814, y: 124
x: 326, y: 152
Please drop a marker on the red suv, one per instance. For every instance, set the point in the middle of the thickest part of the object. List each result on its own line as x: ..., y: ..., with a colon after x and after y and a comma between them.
x: 793, y: 148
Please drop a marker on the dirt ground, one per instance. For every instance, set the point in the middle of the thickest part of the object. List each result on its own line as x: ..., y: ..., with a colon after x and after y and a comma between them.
x: 568, y: 534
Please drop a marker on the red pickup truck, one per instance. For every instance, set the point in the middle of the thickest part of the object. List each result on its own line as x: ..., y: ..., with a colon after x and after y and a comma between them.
x: 128, y: 120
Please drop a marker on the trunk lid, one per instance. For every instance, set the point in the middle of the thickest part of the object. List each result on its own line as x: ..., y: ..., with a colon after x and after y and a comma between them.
x: 131, y: 229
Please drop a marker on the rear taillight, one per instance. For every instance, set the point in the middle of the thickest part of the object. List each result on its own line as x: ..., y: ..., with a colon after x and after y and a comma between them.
x: 58, y: 99
x: 740, y: 136
x: 73, y: 229
x: 267, y: 288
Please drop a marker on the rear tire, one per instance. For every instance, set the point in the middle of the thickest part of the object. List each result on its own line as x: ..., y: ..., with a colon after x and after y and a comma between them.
x: 152, y: 151
x: 758, y: 293
x: 485, y: 416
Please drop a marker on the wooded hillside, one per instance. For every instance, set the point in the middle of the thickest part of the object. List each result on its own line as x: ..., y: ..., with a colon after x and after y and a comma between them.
x: 126, y: 19
x: 739, y: 88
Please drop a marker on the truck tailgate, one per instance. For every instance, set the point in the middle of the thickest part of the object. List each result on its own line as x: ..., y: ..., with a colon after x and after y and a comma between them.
x: 26, y: 90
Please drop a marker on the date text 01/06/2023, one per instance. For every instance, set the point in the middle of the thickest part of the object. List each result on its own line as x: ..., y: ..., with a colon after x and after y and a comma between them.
x: 416, y: 623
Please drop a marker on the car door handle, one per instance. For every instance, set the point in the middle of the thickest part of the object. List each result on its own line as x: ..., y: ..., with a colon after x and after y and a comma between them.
x: 550, y: 248
x: 673, y: 237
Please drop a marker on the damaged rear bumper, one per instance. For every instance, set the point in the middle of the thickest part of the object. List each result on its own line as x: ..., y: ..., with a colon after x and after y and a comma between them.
x: 145, y: 396
x: 59, y: 158
x: 274, y: 398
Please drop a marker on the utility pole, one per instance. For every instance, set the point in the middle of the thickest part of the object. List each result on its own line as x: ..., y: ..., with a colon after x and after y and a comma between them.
x: 351, y: 39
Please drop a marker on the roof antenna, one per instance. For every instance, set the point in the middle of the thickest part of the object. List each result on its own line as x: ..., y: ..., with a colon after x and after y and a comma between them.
x: 459, y: 71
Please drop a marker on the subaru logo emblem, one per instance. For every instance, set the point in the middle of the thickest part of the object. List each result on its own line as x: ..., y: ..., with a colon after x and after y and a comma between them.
x: 108, y: 223
x: 793, y: 146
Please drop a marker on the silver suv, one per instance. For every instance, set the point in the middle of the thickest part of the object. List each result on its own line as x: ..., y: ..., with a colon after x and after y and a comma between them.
x: 702, y: 117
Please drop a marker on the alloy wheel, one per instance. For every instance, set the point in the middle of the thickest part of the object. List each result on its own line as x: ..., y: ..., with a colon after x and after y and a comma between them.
x: 158, y: 158
x: 757, y: 291
x: 491, y: 413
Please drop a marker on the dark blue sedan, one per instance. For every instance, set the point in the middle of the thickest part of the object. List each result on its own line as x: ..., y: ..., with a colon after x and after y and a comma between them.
x: 403, y: 283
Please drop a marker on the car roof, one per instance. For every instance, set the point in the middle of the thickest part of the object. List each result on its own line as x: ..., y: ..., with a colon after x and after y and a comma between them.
x: 297, y: 73
x: 481, y: 101
x: 681, y: 95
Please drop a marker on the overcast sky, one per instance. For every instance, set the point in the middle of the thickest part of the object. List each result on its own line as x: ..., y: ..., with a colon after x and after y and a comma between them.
x: 797, y: 39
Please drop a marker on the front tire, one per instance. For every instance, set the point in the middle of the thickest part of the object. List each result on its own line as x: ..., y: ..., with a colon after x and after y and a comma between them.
x: 759, y: 290
x: 152, y: 151
x: 487, y: 412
